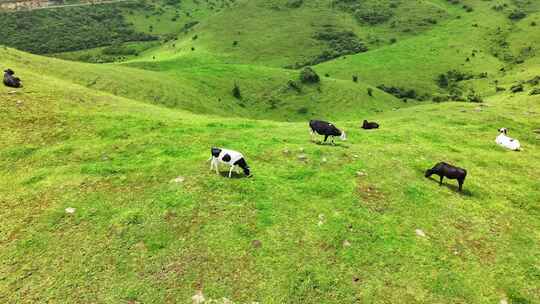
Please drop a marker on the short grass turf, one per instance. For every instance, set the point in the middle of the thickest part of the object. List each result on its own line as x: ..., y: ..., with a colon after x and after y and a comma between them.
x: 326, y: 234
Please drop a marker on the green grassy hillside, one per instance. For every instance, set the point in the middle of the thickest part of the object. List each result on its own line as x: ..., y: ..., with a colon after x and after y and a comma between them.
x: 327, y: 234
x: 125, y: 146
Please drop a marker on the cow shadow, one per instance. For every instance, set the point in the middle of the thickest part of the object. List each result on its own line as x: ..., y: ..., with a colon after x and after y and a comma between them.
x: 234, y: 175
x: 337, y: 145
x: 452, y: 187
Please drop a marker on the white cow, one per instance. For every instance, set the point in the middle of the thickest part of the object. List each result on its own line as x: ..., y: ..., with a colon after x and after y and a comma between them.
x: 232, y: 158
x: 507, y: 142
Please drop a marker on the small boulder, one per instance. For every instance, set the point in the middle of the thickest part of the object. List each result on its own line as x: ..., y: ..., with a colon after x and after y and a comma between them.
x: 346, y: 243
x: 70, y: 210
x: 178, y: 180
x: 361, y: 174
x: 198, y: 298
x: 420, y: 233
x: 256, y: 244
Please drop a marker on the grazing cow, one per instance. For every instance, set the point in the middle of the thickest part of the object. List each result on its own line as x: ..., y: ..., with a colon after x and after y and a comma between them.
x: 10, y: 80
x: 370, y: 125
x: 229, y: 157
x: 507, y: 142
x: 443, y: 170
x: 326, y: 129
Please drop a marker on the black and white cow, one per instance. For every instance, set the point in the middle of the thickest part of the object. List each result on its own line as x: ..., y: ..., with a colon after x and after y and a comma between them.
x: 232, y: 158
x: 10, y: 80
x: 326, y: 129
x: 443, y: 170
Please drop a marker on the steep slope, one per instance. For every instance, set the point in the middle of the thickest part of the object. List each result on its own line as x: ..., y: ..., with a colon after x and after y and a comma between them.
x: 325, y: 234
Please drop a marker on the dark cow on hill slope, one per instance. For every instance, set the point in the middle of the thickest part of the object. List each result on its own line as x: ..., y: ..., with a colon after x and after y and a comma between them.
x: 326, y: 129
x: 10, y: 80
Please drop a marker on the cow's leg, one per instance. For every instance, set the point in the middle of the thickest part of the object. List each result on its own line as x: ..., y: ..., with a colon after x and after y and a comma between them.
x: 460, y: 181
x: 333, y: 143
x: 230, y: 171
x: 325, y: 138
x: 216, y: 166
x: 440, y: 182
x: 211, y: 163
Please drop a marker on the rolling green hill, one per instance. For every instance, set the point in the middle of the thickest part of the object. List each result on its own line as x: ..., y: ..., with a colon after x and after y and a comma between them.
x: 125, y: 144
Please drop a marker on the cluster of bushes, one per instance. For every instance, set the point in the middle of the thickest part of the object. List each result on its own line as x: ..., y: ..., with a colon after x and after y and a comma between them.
x: 119, y: 50
x: 339, y: 43
x: 368, y: 12
x: 67, y: 29
x: 450, y: 78
x: 295, y: 3
x: 401, y: 93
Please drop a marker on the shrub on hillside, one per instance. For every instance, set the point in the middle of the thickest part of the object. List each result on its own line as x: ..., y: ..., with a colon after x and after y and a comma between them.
x: 451, y: 77
x: 293, y: 85
x: 373, y: 15
x: 339, y: 43
x: 308, y: 75
x: 370, y: 92
x: 474, y: 97
x: 399, y: 92
x: 517, y: 88
x: 294, y: 3
x: 517, y: 15
x: 535, y: 92
x: 236, y: 91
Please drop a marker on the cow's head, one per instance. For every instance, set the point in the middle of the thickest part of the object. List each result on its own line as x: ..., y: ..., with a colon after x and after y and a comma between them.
x: 503, y: 131
x: 9, y: 72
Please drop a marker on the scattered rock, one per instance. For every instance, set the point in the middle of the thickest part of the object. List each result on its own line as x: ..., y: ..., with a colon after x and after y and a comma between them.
x: 256, y: 244
x: 198, y: 298
x: 420, y: 233
x: 346, y: 243
x: 104, y: 157
x: 19, y: 103
x: 178, y: 180
x: 503, y: 301
x: 321, y: 220
x: 301, y: 150
x: 12, y: 92
x: 286, y: 151
x: 324, y: 160
x: 478, y: 109
x: 302, y: 157
x: 361, y: 174
x: 70, y: 210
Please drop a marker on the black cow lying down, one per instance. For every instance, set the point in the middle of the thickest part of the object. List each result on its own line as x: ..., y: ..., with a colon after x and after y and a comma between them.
x: 326, y: 129
x: 10, y: 80
x: 370, y: 125
x: 443, y: 170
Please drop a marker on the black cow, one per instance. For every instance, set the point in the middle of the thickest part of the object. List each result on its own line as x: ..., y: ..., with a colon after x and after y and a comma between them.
x: 443, y: 170
x: 370, y: 125
x: 326, y: 129
x: 10, y: 80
